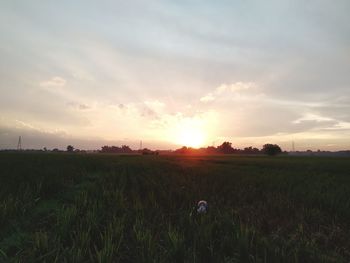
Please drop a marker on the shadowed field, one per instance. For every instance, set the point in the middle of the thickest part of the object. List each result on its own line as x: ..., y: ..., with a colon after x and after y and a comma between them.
x: 114, y: 208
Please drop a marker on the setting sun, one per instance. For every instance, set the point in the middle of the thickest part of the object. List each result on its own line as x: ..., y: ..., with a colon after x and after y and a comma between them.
x: 190, y: 134
x: 191, y: 138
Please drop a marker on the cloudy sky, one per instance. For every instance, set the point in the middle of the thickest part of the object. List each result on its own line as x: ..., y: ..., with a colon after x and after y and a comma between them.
x: 169, y: 73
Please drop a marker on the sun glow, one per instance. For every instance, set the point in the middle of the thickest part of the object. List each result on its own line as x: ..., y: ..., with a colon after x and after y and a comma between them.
x: 190, y: 135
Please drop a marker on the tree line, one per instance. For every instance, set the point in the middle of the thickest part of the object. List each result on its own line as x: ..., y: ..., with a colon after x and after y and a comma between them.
x: 224, y: 148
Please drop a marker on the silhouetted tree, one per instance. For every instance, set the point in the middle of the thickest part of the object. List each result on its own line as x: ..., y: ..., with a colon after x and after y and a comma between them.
x: 225, y: 147
x: 271, y: 149
x: 70, y: 148
x: 116, y: 149
x: 182, y: 150
x: 126, y: 149
x: 211, y: 150
x: 146, y: 151
x: 250, y: 150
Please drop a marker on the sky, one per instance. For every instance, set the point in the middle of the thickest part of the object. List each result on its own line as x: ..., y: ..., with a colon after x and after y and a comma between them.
x: 173, y: 73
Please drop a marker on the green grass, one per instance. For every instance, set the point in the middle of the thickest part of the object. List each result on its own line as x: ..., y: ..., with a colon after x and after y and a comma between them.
x: 114, y: 208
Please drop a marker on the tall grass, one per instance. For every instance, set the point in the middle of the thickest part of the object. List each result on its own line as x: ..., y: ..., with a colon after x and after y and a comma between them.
x: 110, y: 208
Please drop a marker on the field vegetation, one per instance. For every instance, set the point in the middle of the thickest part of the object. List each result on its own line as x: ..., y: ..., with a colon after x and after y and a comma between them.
x: 61, y: 207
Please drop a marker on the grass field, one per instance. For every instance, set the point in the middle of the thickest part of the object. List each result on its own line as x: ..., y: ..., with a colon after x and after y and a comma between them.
x: 114, y: 208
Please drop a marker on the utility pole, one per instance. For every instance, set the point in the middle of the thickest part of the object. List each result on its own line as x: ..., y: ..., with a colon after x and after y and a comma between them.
x: 19, y: 145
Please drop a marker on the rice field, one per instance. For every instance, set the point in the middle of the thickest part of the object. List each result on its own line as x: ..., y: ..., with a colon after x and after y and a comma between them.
x: 133, y: 208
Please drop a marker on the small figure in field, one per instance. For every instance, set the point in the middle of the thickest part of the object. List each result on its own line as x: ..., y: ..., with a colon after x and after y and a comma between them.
x: 202, y: 207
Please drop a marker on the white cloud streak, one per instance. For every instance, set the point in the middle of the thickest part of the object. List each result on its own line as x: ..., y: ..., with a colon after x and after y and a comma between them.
x: 53, y: 82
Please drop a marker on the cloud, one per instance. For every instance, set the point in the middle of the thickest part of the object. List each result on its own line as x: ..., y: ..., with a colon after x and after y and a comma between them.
x: 26, y: 126
x: 147, y: 112
x: 307, y: 65
x: 147, y: 109
x: 82, y: 75
x: 238, y: 86
x: 79, y: 106
x: 207, y: 98
x: 245, y: 109
x: 84, y: 107
x: 312, y: 117
x: 225, y: 90
x: 155, y: 105
x: 152, y: 109
x: 53, y: 82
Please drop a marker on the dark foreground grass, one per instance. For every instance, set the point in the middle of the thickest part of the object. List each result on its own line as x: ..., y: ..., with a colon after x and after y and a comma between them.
x: 110, y: 208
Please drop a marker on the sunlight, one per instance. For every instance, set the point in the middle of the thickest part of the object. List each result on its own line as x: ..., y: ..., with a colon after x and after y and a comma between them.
x: 190, y: 134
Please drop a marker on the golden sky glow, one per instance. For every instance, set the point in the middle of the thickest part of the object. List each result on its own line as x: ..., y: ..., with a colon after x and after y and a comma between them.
x: 191, y: 134
x: 172, y: 73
